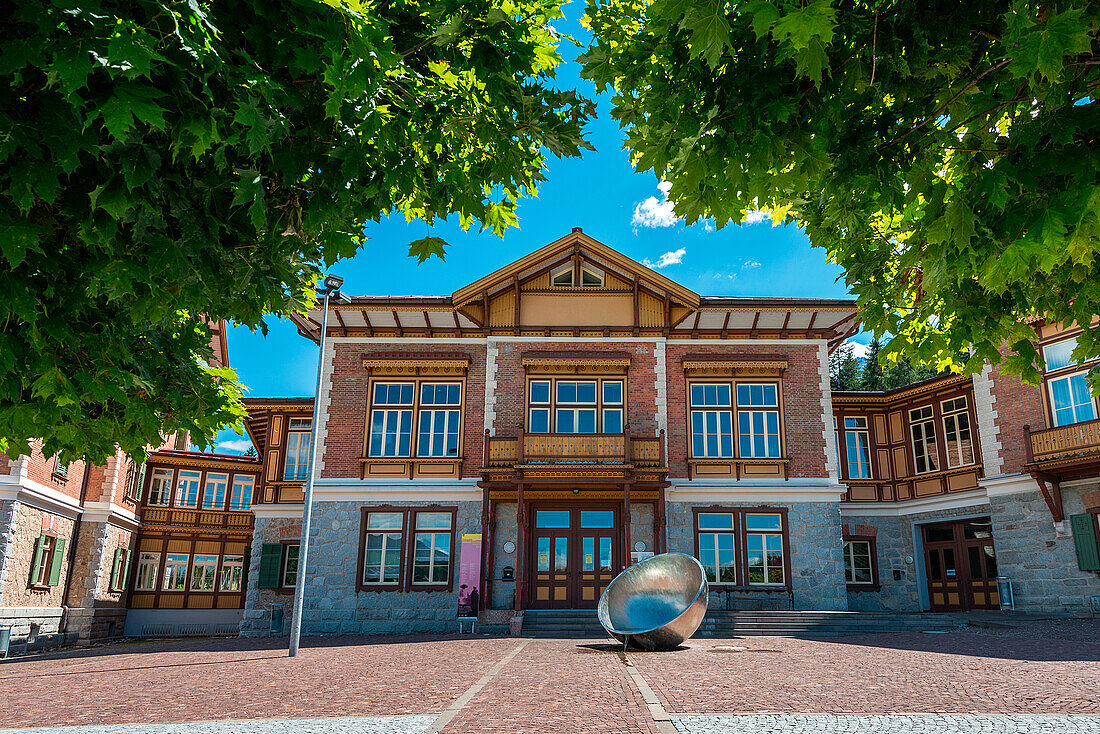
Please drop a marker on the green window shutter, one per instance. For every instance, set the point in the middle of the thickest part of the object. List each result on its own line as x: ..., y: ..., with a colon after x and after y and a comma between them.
x: 271, y: 562
x: 1084, y: 541
x: 125, y: 581
x: 37, y: 564
x: 58, y: 557
x: 115, y: 568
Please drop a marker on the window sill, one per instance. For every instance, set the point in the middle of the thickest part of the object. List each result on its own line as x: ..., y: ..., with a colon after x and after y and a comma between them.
x: 864, y: 587
x: 61, y: 478
x: 728, y: 588
x: 39, y: 588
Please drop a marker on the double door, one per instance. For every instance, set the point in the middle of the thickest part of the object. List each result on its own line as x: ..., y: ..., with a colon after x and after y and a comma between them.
x: 574, y: 555
x: 961, y: 566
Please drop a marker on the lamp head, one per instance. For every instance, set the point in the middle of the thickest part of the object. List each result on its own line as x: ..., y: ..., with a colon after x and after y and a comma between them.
x: 332, y: 282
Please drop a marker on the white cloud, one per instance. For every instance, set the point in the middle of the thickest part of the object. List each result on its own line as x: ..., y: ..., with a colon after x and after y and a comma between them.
x: 750, y: 265
x: 654, y: 213
x: 241, y: 444
x: 860, y: 351
x: 673, y: 257
x: 756, y: 216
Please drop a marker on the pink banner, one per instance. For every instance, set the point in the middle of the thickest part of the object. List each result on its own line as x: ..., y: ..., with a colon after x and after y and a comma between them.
x: 469, y: 567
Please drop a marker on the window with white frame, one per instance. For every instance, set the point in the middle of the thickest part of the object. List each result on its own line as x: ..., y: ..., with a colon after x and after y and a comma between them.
x: 391, y: 419
x: 1060, y: 354
x: 858, y: 568
x: 758, y: 420
x: 957, y: 442
x: 432, y: 548
x: 187, y: 489
x: 1071, y: 400
x: 204, y: 572
x: 232, y: 573
x: 290, y: 565
x: 382, y: 550
x: 148, y: 567
x: 135, y: 481
x: 575, y: 408
x: 711, y: 420
x: 922, y: 429
x: 298, y: 434
x: 213, y: 496
x: 764, y: 545
x: 717, y: 538
x: 175, y: 572
x: 241, y: 497
x: 857, y: 447
x: 439, y: 418
x: 160, y: 487
x: 562, y: 276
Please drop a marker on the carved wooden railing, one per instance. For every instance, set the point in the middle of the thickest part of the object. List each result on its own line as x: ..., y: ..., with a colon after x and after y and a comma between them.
x: 213, y: 519
x: 1079, y: 439
x: 574, y: 448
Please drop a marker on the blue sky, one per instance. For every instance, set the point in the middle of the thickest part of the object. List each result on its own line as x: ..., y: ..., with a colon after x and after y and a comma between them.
x: 601, y: 193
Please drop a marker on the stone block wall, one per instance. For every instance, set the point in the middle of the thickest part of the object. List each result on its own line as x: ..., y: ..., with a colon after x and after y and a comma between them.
x: 97, y: 611
x: 258, y: 603
x: 816, y: 555
x: 1041, y: 562
x: 26, y: 525
x: 333, y: 605
x: 503, y: 592
x: 641, y: 527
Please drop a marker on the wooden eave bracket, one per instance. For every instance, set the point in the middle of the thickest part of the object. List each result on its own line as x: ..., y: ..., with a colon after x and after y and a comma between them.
x: 1052, y: 494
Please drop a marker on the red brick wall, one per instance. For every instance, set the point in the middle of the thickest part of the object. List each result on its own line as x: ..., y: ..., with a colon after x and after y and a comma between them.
x: 641, y: 392
x: 1017, y: 405
x: 346, y: 425
x: 802, y: 421
x: 40, y: 469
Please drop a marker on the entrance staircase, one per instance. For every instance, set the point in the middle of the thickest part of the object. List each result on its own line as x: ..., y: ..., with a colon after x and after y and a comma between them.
x: 723, y: 623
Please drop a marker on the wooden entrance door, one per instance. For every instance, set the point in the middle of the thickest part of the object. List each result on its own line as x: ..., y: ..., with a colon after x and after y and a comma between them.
x: 961, y: 566
x: 574, y: 554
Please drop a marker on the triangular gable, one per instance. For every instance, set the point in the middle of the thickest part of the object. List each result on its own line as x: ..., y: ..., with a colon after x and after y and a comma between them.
x: 623, y: 269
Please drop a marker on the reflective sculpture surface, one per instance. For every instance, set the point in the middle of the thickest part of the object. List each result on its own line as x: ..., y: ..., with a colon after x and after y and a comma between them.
x: 657, y: 603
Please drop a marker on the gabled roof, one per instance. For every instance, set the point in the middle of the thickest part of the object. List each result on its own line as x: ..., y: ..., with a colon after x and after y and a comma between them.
x: 575, y: 241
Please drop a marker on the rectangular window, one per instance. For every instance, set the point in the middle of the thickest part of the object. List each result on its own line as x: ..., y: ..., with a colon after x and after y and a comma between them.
x: 175, y: 572
x: 61, y: 468
x: 290, y: 565
x: 187, y: 489
x: 135, y: 481
x: 432, y: 551
x: 758, y: 421
x: 858, y: 568
x: 711, y: 421
x: 439, y: 419
x: 160, y: 487
x: 120, y: 567
x: 956, y: 432
x: 382, y: 551
x: 297, y: 450
x: 44, y: 556
x: 1071, y: 399
x: 612, y: 406
x: 241, y: 499
x: 232, y: 573
x: 213, y: 497
x: 148, y: 567
x: 1060, y: 354
x: 575, y: 407
x: 391, y: 419
x: 717, y: 538
x: 204, y: 571
x: 923, y: 431
x: 858, y: 449
x: 764, y: 543
x: 538, y: 398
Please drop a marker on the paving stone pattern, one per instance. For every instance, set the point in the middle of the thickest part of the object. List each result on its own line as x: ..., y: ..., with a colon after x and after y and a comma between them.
x: 349, y: 725
x: 938, y: 724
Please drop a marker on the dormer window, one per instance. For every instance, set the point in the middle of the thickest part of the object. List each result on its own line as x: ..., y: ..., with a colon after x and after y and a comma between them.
x: 562, y: 277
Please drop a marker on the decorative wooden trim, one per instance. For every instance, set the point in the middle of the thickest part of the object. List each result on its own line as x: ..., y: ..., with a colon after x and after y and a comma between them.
x: 417, y: 364
x: 576, y: 363
x: 902, y: 394
x: 734, y: 367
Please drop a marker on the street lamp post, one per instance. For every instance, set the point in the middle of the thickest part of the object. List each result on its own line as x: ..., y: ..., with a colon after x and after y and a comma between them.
x: 330, y: 287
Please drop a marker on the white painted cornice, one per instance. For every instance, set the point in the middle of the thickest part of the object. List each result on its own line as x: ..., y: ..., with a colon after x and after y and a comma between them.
x: 21, y: 488
x: 111, y: 513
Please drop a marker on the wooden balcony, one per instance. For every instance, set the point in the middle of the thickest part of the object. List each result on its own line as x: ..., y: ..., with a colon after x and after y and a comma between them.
x: 547, y: 450
x: 175, y: 518
x: 1066, y: 444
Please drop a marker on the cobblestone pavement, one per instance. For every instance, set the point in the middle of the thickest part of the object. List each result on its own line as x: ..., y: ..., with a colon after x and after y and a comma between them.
x: 203, y: 680
x: 350, y: 725
x: 1001, y: 671
x: 893, y: 724
x: 491, y: 685
x: 560, y: 686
